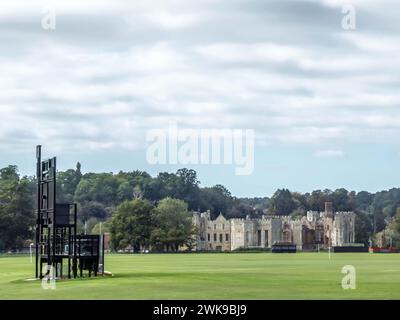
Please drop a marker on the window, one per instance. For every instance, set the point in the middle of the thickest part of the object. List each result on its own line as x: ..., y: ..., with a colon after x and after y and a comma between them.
x: 266, y: 237
x: 215, y: 227
x: 220, y: 237
x: 223, y: 226
x: 208, y: 236
x: 227, y: 237
x: 215, y: 237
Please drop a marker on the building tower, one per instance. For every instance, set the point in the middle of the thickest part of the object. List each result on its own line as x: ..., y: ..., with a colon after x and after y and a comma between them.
x: 328, y: 224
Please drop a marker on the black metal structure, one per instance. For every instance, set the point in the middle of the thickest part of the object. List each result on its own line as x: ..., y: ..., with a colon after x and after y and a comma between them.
x: 57, y: 241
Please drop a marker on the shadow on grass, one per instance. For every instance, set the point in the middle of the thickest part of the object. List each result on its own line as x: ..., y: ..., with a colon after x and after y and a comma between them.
x: 127, y: 275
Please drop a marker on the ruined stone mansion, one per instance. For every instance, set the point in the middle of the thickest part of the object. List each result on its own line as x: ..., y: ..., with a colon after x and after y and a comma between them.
x: 316, y: 230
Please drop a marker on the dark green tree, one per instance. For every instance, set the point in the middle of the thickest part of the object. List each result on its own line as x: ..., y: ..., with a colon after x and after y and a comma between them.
x: 363, y: 227
x: 173, y: 224
x: 282, y: 202
x: 16, y: 208
x: 132, y: 224
x: 217, y: 199
x: 363, y: 200
x: 316, y: 201
x: 341, y: 200
x: 67, y: 181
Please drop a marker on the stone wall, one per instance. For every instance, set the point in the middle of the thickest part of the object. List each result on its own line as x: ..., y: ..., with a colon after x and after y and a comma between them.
x: 316, y: 229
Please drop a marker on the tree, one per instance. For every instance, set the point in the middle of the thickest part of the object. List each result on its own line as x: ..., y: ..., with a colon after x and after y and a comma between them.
x: 67, y: 181
x: 363, y: 200
x: 139, y: 180
x: 259, y: 204
x: 300, y: 202
x: 16, y: 208
x: 363, y: 227
x: 341, y: 200
x: 93, y: 209
x: 316, y: 201
x: 132, y: 224
x: 173, y: 224
x: 125, y: 191
x: 282, y: 202
x: 102, y: 187
x: 396, y: 229
x: 99, y: 194
x: 217, y: 199
x: 180, y: 185
x: 241, y: 209
x: 379, y: 223
x: 9, y: 173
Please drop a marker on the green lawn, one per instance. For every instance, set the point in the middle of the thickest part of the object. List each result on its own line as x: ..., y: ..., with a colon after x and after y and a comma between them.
x: 216, y: 276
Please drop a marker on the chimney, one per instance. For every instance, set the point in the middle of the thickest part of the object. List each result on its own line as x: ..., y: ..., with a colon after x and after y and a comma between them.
x: 329, y: 209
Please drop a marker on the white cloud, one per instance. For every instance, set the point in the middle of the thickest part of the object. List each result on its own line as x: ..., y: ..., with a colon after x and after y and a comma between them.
x: 173, y: 21
x: 110, y: 72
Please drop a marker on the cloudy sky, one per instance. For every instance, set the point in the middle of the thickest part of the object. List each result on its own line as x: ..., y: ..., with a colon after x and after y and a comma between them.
x: 324, y: 101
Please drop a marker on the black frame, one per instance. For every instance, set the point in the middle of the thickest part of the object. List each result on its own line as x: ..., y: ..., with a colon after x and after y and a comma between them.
x: 56, y: 229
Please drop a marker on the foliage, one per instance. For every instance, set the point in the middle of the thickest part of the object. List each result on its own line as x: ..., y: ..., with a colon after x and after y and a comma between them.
x: 100, y: 194
x: 282, y: 202
x: 131, y: 225
x: 217, y: 199
x: 16, y: 208
x: 363, y: 227
x: 67, y: 181
x: 173, y: 224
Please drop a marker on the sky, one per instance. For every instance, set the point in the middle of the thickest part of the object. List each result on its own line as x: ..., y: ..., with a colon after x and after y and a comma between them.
x: 323, y: 101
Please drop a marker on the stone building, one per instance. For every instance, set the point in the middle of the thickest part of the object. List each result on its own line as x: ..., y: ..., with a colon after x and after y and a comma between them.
x: 316, y: 229
x: 212, y: 234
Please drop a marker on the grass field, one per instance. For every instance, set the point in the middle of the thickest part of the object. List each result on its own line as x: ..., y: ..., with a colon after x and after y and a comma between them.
x: 216, y: 276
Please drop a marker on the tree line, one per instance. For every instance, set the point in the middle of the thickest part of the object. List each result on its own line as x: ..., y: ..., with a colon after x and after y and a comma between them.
x: 106, y: 199
x: 139, y: 225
